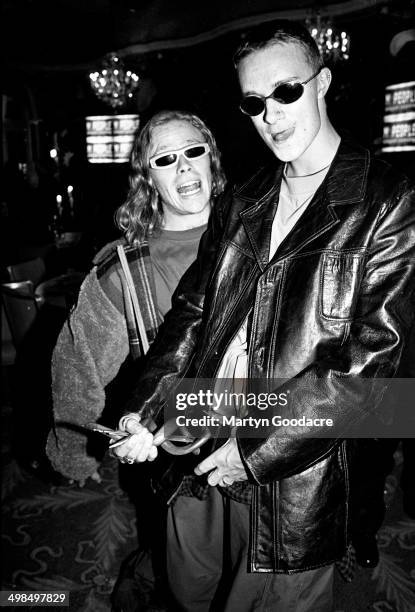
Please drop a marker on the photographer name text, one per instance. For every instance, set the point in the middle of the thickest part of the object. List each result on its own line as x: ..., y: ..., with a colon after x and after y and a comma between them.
x: 250, y: 421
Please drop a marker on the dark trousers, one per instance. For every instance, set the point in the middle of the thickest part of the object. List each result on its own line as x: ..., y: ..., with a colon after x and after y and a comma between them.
x: 207, y: 552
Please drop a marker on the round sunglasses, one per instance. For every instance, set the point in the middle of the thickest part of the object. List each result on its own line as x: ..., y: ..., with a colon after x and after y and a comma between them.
x: 170, y: 158
x: 286, y: 93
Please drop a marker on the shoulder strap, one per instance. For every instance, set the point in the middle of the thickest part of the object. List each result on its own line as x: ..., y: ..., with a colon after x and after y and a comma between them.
x: 107, y: 251
x: 133, y: 296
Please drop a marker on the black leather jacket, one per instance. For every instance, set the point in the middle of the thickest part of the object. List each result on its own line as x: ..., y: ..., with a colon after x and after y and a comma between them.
x: 331, y: 307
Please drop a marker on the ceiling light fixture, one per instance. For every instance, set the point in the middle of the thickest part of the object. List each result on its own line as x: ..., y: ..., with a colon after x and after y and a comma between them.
x: 113, y: 84
x: 333, y: 44
x: 109, y: 138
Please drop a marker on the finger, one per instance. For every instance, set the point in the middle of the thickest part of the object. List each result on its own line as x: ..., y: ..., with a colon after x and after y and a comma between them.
x: 214, y: 478
x: 145, y: 449
x: 206, y: 465
x: 227, y: 481
x: 119, y: 451
x: 133, y: 445
x: 133, y: 426
x: 131, y: 423
x: 136, y: 447
x: 152, y: 454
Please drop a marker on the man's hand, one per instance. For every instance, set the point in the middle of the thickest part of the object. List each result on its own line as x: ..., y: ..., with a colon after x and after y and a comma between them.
x: 226, y: 465
x: 137, y: 448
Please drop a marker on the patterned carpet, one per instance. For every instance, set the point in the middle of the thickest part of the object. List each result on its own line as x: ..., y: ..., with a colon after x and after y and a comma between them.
x: 74, y: 539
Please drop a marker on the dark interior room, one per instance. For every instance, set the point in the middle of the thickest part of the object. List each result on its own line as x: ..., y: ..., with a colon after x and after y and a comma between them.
x: 61, y: 186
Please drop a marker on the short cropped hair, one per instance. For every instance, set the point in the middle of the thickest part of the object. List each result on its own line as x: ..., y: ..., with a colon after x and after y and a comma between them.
x: 281, y: 31
x: 142, y: 213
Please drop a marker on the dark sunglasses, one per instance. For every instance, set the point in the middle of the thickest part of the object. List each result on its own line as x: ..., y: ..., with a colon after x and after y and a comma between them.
x: 169, y: 159
x: 286, y: 93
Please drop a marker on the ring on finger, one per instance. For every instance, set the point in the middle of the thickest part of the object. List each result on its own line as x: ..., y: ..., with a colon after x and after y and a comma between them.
x: 130, y: 461
x: 123, y: 421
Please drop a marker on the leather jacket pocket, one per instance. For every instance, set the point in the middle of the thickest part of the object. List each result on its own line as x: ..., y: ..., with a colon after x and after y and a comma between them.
x: 340, y: 278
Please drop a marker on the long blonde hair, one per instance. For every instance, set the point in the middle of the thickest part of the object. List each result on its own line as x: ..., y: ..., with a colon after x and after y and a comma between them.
x: 141, y: 213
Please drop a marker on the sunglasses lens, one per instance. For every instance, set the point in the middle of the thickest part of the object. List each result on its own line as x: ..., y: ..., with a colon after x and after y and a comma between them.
x: 170, y: 159
x: 194, y: 152
x: 252, y: 105
x: 287, y: 93
x: 165, y: 160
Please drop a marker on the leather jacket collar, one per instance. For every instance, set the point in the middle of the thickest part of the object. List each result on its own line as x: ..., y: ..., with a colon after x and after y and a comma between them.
x: 347, y: 176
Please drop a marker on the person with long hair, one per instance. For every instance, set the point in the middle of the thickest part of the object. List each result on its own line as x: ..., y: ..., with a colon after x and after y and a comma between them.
x: 176, y: 175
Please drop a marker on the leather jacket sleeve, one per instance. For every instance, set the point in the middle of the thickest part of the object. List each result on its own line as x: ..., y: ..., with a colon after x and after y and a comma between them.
x: 347, y: 383
x: 170, y: 355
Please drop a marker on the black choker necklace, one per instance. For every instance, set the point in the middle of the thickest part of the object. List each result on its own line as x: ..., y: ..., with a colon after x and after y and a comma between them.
x: 305, y: 175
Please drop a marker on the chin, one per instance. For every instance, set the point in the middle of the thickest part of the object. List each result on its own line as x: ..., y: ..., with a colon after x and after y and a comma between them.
x: 289, y: 153
x: 199, y: 202
x: 284, y: 155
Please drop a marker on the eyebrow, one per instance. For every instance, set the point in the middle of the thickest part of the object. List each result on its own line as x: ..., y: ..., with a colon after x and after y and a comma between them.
x: 164, y: 148
x: 275, y: 84
x: 287, y: 80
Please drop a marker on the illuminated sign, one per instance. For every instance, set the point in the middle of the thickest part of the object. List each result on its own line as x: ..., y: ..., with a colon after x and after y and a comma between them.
x: 399, y: 118
x: 109, y: 138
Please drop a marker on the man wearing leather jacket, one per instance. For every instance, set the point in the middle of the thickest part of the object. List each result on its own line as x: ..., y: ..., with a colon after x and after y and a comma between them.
x: 305, y: 274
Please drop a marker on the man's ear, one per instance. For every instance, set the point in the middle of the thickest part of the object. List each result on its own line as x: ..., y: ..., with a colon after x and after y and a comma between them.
x: 323, y: 81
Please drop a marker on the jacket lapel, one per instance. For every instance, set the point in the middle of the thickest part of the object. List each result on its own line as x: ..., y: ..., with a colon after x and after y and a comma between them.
x: 257, y: 218
x: 317, y: 219
x: 344, y: 184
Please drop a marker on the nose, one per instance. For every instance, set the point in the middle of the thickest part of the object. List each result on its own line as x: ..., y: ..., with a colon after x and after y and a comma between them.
x: 273, y: 111
x: 183, y: 165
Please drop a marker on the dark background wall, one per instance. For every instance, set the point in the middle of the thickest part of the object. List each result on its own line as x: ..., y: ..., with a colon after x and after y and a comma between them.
x: 46, y: 96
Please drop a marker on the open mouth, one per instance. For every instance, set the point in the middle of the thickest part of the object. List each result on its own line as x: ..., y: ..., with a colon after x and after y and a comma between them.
x: 189, y: 188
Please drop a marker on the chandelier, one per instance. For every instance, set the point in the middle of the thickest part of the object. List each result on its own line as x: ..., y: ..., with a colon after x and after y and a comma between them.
x: 113, y: 84
x: 333, y: 45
